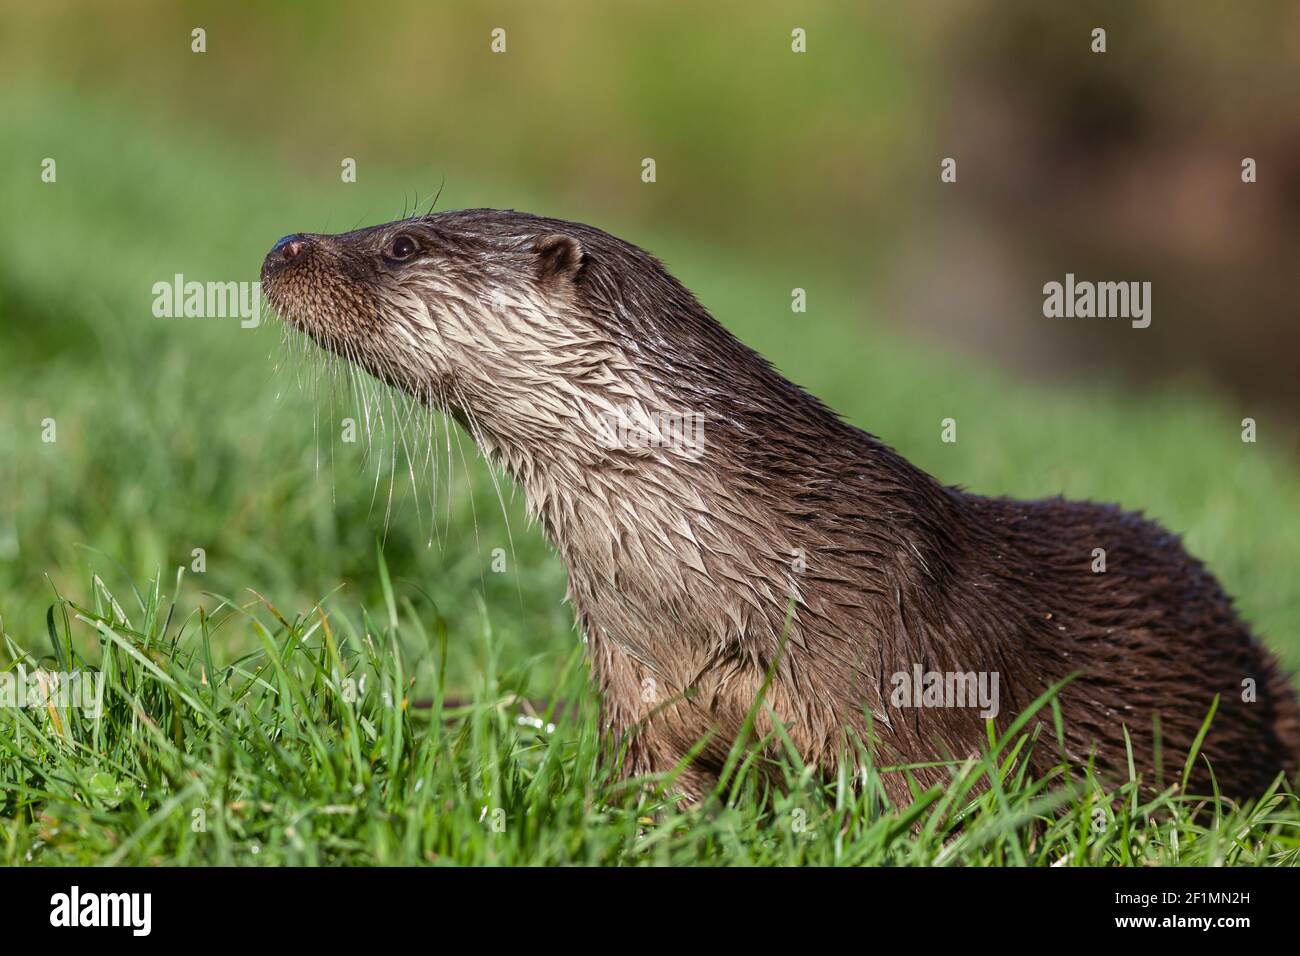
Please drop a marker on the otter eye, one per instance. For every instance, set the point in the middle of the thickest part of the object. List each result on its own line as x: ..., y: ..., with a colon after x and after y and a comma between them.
x: 403, y: 247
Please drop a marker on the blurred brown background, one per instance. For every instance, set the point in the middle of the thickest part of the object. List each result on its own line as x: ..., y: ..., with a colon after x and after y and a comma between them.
x: 1122, y: 166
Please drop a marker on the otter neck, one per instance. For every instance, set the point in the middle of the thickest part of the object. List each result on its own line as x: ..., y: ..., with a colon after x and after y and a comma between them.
x: 675, y: 550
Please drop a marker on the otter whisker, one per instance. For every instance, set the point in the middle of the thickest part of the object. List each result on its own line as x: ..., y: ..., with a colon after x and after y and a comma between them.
x: 436, y: 196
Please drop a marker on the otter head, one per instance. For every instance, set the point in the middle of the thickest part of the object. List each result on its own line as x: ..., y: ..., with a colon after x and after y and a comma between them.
x: 469, y: 311
x: 564, y: 351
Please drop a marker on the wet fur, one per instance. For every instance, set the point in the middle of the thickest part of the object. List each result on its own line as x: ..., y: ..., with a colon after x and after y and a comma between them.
x: 534, y: 331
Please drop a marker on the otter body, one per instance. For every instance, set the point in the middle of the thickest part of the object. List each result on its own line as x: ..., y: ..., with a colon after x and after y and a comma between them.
x: 785, y: 539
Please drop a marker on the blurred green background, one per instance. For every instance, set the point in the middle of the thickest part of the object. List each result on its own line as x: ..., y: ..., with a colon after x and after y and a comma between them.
x: 775, y: 170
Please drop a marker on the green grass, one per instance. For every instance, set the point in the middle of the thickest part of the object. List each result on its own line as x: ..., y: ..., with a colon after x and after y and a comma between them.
x: 179, y: 434
x: 334, y: 743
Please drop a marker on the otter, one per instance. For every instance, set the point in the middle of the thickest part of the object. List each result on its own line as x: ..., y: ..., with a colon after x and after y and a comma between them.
x: 781, y: 550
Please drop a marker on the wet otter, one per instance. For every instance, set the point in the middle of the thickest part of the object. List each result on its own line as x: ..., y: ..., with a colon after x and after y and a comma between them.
x: 690, y: 563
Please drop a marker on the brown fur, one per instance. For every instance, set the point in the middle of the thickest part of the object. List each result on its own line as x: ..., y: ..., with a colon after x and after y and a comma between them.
x: 533, y: 332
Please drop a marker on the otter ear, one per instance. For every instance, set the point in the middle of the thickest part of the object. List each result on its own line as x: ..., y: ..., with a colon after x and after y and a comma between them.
x: 559, y: 257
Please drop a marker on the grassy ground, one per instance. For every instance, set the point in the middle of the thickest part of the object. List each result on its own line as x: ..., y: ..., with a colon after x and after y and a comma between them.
x: 231, y: 732
x: 316, y: 749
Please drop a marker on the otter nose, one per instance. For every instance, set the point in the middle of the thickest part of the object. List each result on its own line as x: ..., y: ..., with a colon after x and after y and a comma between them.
x: 289, y: 248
